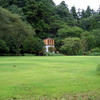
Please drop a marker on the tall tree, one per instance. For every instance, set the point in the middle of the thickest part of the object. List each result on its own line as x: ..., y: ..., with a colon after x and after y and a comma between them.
x: 73, y: 12
x: 88, y: 11
x: 98, y: 10
x: 38, y: 15
x: 62, y: 11
x: 13, y: 30
x: 83, y: 14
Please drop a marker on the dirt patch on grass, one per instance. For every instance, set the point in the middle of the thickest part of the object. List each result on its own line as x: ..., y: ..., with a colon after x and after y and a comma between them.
x: 92, y: 95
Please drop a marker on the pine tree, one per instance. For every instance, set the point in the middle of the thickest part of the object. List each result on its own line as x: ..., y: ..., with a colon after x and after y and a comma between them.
x: 88, y: 12
x: 73, y: 12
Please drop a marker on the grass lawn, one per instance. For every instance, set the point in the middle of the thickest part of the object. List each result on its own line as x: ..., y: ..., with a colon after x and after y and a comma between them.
x: 49, y: 78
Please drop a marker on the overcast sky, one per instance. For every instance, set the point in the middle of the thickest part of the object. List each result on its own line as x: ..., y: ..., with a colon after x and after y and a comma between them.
x: 81, y: 3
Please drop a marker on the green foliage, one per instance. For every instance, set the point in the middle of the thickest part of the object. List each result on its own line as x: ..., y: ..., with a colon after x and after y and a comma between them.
x: 88, y: 41
x: 33, y: 46
x: 47, y: 20
x: 55, y: 25
x: 13, y: 30
x: 39, y: 18
x: 62, y: 11
x: 58, y: 43
x: 72, y: 46
x: 74, y: 13
x: 7, y: 3
x: 96, y: 34
x: 3, y: 47
x: 88, y: 11
x: 16, y: 10
x: 90, y: 23
x: 52, y: 54
x: 52, y: 49
x: 95, y: 49
x: 95, y: 52
x: 67, y: 31
x: 28, y: 54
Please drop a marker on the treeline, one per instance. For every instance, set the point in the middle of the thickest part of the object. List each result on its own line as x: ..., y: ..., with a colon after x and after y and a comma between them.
x: 75, y: 32
x: 16, y: 36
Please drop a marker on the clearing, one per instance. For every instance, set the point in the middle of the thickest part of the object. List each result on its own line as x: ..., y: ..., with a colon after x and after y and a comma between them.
x: 49, y: 78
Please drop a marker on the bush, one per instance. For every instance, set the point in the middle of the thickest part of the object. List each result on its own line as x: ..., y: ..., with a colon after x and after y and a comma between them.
x: 33, y: 46
x: 52, y: 54
x: 52, y: 49
x: 3, y: 47
x: 98, y: 69
x: 72, y: 46
x: 95, y: 49
x: 95, y: 52
x: 13, y: 30
x: 27, y: 54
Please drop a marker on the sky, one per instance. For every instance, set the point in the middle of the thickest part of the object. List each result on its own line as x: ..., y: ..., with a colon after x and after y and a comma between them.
x: 82, y: 4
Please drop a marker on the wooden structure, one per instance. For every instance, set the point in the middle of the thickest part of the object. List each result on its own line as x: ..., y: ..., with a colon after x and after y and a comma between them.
x: 49, y: 42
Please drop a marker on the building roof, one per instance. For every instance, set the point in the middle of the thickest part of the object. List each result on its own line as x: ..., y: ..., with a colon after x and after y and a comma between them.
x: 49, y: 39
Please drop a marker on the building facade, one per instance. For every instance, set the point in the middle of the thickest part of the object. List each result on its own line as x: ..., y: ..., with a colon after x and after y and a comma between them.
x: 49, y: 42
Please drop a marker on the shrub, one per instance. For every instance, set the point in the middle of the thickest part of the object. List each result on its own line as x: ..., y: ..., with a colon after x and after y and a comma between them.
x: 27, y: 54
x: 13, y: 30
x: 95, y: 52
x: 72, y: 46
x: 33, y: 46
x: 95, y: 49
x: 52, y: 49
x: 52, y: 54
x: 3, y: 47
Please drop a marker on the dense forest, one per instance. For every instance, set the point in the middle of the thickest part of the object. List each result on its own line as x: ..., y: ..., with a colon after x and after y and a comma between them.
x: 25, y: 23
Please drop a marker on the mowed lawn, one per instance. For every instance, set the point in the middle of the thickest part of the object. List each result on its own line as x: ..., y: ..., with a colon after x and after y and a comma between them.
x: 49, y: 78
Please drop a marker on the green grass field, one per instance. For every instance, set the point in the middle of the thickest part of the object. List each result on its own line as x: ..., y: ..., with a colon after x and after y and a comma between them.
x: 49, y: 78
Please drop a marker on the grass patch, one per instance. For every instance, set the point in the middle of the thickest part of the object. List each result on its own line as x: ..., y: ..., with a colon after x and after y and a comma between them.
x: 49, y: 78
x: 98, y: 69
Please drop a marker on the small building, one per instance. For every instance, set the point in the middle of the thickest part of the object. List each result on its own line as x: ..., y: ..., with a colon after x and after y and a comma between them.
x: 49, y: 42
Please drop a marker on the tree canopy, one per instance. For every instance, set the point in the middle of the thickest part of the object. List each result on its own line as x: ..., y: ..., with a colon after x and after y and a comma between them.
x: 40, y: 19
